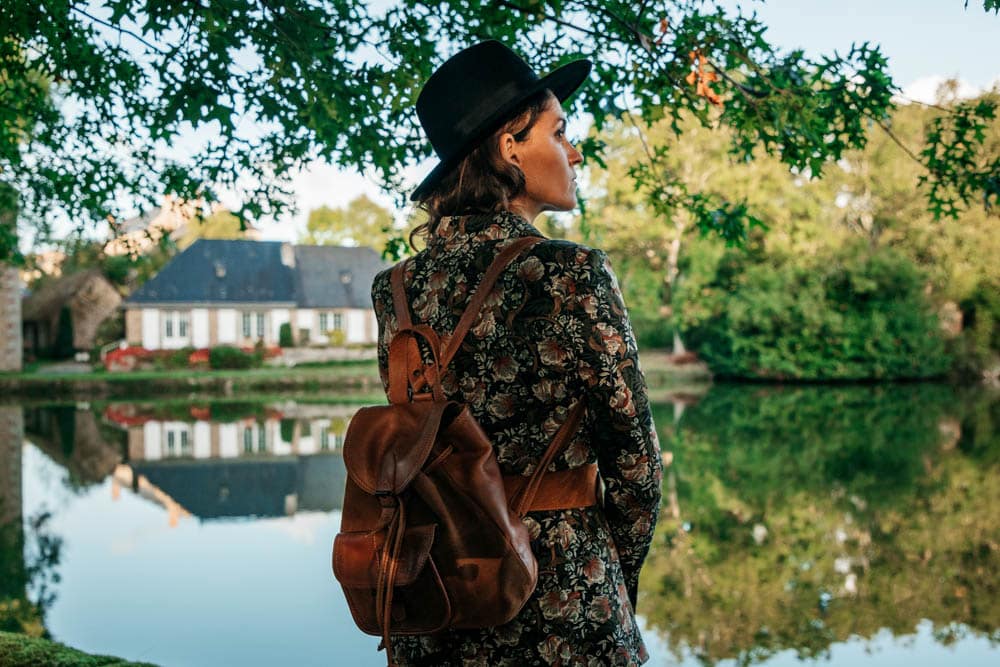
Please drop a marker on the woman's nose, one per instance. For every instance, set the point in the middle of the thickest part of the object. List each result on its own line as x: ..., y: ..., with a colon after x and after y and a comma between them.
x: 575, y: 156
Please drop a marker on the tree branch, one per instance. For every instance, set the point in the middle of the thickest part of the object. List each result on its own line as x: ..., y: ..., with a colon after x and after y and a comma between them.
x: 121, y: 30
x: 547, y: 17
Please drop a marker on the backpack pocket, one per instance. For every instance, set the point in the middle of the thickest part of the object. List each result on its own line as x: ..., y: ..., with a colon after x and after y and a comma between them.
x: 420, y: 602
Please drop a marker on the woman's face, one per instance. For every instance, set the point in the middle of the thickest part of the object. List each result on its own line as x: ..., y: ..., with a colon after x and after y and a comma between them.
x: 548, y: 161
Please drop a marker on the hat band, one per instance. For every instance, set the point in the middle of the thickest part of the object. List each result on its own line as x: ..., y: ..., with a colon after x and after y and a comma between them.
x: 472, y: 120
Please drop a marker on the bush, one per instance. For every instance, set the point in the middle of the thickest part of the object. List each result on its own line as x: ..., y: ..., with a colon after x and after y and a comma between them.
x: 175, y: 359
x: 336, y: 337
x: 848, y: 314
x: 652, y: 331
x: 285, y: 335
x: 226, y: 357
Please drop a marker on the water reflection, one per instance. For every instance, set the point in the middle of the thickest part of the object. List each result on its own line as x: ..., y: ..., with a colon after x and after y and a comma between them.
x: 801, y: 518
x: 807, y: 523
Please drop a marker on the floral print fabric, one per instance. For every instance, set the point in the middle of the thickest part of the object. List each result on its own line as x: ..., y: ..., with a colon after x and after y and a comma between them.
x: 554, y: 329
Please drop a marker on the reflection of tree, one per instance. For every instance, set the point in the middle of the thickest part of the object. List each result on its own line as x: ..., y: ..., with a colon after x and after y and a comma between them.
x: 29, y: 556
x: 814, y: 514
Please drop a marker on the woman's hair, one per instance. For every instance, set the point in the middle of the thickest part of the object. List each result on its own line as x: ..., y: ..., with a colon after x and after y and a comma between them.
x: 483, y: 182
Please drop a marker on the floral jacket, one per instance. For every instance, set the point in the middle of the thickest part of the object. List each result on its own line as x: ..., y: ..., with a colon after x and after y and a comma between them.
x: 554, y: 329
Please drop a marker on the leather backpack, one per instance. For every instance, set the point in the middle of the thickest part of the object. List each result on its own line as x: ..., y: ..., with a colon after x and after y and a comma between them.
x: 431, y: 533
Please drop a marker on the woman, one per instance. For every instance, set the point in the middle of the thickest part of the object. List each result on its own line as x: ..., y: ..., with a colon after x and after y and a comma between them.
x: 553, y: 330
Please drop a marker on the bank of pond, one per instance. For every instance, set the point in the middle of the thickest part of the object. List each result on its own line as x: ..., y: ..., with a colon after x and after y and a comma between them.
x: 797, y: 522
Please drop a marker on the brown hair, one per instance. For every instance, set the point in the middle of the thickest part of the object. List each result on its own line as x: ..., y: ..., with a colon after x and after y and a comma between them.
x: 483, y: 182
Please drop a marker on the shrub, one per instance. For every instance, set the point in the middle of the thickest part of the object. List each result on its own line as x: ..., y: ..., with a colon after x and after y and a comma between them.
x: 652, y: 331
x: 848, y: 314
x: 285, y: 335
x: 175, y: 359
x: 228, y: 357
x: 336, y: 337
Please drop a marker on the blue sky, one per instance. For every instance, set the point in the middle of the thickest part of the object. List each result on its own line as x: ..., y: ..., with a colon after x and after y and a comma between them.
x: 925, y: 41
x: 921, y: 37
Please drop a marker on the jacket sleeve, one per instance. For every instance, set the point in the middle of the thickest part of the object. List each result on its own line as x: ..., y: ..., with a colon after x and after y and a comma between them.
x: 623, y: 434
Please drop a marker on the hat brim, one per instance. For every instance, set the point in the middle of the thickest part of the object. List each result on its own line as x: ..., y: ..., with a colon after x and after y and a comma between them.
x: 563, y: 82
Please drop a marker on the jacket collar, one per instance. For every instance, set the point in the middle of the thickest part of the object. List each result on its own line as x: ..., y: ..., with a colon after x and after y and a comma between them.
x: 458, y: 230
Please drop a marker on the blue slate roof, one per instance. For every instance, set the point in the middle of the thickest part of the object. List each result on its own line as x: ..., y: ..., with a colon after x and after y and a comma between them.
x: 240, y: 271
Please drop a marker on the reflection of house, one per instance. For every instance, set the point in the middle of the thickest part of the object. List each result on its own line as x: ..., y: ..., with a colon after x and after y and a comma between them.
x: 75, y: 439
x: 219, y: 488
x: 239, y: 292
x: 249, y: 467
x: 87, y: 297
x: 10, y: 319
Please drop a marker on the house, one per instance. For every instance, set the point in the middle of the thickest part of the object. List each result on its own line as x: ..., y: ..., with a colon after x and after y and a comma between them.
x: 239, y: 292
x: 87, y: 297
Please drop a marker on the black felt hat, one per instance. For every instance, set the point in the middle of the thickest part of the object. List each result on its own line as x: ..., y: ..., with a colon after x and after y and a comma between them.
x: 476, y: 91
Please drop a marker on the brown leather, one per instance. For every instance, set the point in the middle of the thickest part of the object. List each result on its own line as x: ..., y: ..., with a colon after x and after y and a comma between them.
x: 430, y: 538
x: 559, y: 490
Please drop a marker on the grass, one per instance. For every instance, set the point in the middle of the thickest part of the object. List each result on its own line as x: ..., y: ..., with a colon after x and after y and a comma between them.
x: 24, y: 651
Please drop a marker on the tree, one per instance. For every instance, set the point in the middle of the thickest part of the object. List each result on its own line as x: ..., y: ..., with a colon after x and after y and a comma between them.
x: 221, y: 224
x: 96, y: 96
x: 361, y: 222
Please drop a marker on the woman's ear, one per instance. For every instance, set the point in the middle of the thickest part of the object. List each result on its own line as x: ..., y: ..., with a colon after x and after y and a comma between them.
x: 508, y: 149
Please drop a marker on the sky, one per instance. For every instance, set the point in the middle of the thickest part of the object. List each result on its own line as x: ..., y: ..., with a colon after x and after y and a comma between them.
x: 926, y: 42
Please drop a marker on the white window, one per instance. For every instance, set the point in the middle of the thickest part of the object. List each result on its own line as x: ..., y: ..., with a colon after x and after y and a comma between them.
x: 247, y: 440
x: 175, y: 324
x: 260, y: 325
x: 324, y: 439
x: 338, y: 322
x: 324, y: 322
x: 246, y: 325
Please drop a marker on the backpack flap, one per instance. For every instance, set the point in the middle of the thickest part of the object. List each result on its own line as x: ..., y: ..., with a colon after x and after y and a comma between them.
x: 386, y: 445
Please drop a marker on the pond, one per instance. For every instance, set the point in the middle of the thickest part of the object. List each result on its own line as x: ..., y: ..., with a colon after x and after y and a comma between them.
x: 837, y: 525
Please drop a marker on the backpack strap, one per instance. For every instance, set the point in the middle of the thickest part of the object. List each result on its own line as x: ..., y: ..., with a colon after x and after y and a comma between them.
x: 483, y: 289
x: 469, y: 315
x: 523, y: 498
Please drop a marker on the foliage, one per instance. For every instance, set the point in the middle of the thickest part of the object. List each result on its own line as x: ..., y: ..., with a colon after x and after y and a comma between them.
x: 221, y: 224
x: 225, y: 356
x: 20, y: 651
x: 799, y: 518
x: 285, y: 335
x: 174, y: 359
x: 99, y: 95
x: 29, y: 556
x: 361, y: 222
x: 978, y: 346
x: 839, y: 315
x: 335, y: 337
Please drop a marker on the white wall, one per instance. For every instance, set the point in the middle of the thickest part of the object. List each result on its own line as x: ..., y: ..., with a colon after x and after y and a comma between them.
x: 202, y: 440
x: 151, y: 440
x: 227, y: 325
x: 305, y: 319
x: 228, y: 441
x: 151, y: 328
x: 199, y: 327
x: 354, y: 326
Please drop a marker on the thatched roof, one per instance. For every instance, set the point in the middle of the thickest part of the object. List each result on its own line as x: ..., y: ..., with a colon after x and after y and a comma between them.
x: 46, y: 302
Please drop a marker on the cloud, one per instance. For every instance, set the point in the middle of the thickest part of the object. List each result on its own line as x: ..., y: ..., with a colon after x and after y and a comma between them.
x: 925, y: 89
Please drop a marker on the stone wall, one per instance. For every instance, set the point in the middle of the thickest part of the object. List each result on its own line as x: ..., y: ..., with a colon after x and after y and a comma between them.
x: 11, y: 347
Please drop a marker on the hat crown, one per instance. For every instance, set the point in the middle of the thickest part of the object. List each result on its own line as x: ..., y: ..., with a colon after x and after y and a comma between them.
x: 467, y: 90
